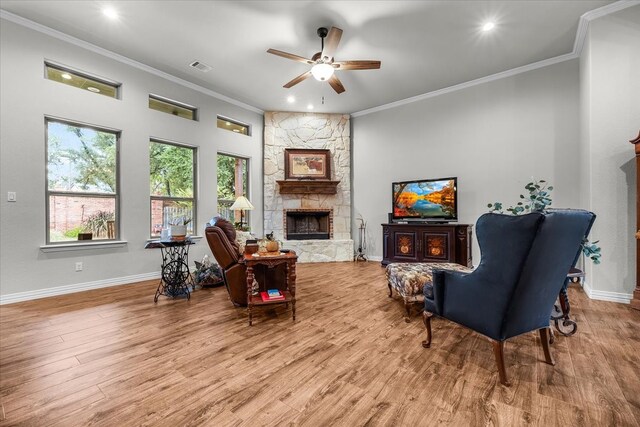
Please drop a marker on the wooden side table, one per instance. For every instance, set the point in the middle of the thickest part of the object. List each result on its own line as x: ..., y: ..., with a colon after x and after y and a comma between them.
x: 271, y: 260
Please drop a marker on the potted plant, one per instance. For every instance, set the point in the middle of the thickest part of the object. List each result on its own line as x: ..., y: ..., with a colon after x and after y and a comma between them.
x: 178, y: 228
x: 538, y: 199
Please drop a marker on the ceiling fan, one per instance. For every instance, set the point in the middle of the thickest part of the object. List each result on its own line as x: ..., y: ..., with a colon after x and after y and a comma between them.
x: 323, y: 61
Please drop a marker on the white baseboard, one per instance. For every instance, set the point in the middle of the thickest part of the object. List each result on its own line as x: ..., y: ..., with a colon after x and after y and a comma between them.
x: 78, y: 287
x: 618, y: 297
x: 374, y: 258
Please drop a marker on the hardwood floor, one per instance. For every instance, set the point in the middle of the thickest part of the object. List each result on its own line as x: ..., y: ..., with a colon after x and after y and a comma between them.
x: 113, y: 357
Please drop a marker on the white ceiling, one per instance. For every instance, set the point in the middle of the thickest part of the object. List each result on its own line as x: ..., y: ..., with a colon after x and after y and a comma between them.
x: 424, y: 46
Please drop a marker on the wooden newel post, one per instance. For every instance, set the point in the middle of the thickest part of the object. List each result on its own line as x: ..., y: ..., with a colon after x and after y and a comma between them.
x: 635, y: 302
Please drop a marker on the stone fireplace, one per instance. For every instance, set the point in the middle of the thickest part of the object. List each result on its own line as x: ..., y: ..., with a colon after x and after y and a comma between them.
x: 315, y: 224
x: 308, y: 224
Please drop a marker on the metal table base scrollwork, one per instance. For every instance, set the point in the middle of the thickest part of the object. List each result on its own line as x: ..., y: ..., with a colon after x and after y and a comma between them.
x: 176, y: 278
x: 561, y: 314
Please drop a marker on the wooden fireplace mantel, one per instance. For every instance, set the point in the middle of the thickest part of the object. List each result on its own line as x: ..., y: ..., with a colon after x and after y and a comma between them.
x: 296, y: 186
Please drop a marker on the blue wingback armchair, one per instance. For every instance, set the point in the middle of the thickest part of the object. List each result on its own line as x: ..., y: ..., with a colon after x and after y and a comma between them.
x: 525, y: 261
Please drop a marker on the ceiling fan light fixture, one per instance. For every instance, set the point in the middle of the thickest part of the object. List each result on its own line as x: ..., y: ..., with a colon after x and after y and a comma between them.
x: 322, y: 71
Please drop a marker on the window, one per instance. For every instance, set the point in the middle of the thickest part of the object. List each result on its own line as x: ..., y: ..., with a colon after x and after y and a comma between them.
x: 82, y: 181
x: 83, y: 81
x: 233, y: 178
x: 174, y: 108
x: 173, y: 185
x: 233, y: 125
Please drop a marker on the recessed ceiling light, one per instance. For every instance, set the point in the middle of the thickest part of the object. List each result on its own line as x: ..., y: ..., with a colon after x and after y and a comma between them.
x: 66, y: 76
x: 93, y: 89
x: 110, y: 13
x: 488, y: 26
x: 236, y: 130
x: 309, y: 107
x: 228, y: 123
x: 291, y: 99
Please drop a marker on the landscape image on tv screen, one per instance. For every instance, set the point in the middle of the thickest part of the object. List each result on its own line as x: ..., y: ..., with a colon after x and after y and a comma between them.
x: 425, y: 199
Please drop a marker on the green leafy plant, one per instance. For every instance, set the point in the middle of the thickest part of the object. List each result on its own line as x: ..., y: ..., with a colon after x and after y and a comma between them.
x: 73, y: 232
x: 241, y: 227
x: 538, y: 200
x: 97, y: 223
x: 181, y: 220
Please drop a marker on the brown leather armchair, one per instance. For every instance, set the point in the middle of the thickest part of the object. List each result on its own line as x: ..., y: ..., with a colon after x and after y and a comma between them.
x: 221, y: 237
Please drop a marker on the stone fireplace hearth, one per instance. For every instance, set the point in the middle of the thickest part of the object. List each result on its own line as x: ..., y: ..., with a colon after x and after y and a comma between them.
x: 319, y: 237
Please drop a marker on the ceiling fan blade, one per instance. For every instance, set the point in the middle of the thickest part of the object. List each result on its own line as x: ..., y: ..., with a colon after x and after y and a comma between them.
x: 290, y: 56
x: 331, y: 42
x: 356, y: 65
x: 336, y: 84
x: 298, y: 79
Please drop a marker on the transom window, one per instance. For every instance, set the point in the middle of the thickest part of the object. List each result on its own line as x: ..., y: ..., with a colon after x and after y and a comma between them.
x: 173, y: 185
x: 172, y: 107
x: 233, y: 125
x: 82, y: 182
x: 81, y: 80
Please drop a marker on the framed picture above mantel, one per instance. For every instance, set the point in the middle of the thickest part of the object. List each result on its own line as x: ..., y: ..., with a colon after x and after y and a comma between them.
x: 301, y: 163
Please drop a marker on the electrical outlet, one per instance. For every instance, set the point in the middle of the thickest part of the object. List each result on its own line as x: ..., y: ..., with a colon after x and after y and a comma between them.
x: 11, y: 196
x: 78, y: 266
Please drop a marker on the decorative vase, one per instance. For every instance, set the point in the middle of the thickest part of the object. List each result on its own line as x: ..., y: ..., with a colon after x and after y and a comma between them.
x: 272, y: 246
x: 251, y: 247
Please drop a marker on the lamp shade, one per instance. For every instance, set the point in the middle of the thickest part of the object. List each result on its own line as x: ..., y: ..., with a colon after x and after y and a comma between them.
x: 322, y: 71
x: 241, y: 204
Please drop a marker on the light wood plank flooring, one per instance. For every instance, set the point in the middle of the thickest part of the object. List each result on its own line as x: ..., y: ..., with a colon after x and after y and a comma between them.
x: 112, y: 357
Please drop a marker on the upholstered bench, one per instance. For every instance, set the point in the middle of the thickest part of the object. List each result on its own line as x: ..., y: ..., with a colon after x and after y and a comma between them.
x: 410, y: 278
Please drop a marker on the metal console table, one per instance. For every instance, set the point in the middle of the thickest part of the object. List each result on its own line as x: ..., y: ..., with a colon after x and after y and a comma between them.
x: 176, y: 278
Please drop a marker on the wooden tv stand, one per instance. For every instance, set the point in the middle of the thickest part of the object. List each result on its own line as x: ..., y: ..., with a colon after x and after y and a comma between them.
x: 420, y: 242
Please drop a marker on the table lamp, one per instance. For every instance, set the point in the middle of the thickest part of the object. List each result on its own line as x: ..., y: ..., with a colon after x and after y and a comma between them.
x: 241, y: 204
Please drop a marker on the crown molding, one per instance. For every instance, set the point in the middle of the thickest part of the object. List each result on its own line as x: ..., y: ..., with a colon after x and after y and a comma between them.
x: 120, y: 58
x: 581, y: 33
x: 471, y: 83
x: 583, y: 25
x: 578, y: 45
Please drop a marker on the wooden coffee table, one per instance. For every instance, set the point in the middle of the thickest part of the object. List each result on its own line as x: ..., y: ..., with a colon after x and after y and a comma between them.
x: 271, y: 259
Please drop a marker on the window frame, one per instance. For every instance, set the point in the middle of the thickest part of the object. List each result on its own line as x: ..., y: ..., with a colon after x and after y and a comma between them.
x: 175, y: 103
x: 235, y: 122
x: 48, y: 193
x: 247, y: 194
x: 60, y: 67
x: 193, y: 200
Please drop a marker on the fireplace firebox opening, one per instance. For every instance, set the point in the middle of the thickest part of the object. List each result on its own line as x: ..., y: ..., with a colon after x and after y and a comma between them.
x: 307, y: 224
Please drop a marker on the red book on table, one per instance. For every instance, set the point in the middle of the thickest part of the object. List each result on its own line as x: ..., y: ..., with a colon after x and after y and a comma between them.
x: 266, y: 297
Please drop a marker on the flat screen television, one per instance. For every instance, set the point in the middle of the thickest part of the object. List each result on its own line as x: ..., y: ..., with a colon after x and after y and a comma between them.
x: 426, y: 200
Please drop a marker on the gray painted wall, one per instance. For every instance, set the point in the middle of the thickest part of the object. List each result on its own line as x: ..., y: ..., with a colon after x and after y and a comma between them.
x: 27, y: 97
x: 610, y: 117
x: 494, y: 137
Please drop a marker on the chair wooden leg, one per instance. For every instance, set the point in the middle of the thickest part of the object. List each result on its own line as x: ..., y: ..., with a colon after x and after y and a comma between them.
x: 426, y: 317
x: 544, y: 339
x: 498, y: 351
x: 390, y: 289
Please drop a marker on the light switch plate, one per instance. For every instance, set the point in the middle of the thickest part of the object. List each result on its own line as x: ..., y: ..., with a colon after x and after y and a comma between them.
x: 11, y: 196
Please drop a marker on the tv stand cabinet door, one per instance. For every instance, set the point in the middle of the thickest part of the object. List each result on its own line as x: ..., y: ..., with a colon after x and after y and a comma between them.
x: 437, y: 245
x: 406, y: 245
